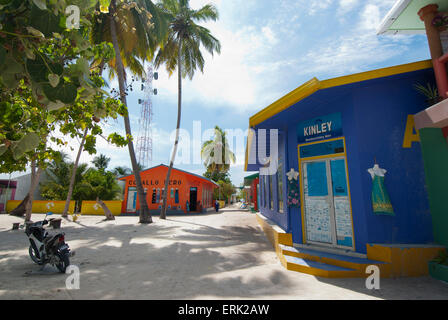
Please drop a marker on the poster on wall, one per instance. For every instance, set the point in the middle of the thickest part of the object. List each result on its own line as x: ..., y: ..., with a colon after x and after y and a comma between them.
x: 343, y: 219
x: 324, y: 127
x: 318, y: 225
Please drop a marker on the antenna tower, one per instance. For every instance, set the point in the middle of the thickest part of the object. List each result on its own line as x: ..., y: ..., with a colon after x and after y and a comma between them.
x: 144, y: 139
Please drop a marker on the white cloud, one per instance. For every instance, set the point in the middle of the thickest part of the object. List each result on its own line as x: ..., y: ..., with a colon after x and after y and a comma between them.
x: 318, y: 5
x: 346, y: 6
x: 269, y: 35
x: 370, y: 18
x: 229, y: 78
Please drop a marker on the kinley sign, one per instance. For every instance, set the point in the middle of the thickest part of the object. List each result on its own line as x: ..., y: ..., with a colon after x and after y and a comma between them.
x: 324, y: 127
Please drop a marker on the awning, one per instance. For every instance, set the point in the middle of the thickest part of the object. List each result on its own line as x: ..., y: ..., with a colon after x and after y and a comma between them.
x: 403, y: 18
x: 248, y: 180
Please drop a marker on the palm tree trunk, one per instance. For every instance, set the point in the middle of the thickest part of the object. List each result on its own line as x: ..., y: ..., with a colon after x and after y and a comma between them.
x: 145, y: 214
x: 176, y: 142
x: 19, y: 211
x: 35, y: 175
x: 107, y: 212
x: 72, y: 178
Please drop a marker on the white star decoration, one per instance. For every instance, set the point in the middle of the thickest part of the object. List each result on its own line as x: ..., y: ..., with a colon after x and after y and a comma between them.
x: 292, y: 174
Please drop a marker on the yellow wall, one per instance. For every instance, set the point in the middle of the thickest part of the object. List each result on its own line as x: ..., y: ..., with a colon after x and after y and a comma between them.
x: 42, y: 206
x: 222, y: 204
x: 93, y: 208
x: 405, y: 261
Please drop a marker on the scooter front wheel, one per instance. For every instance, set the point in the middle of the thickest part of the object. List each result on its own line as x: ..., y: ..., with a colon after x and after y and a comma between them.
x: 33, y: 255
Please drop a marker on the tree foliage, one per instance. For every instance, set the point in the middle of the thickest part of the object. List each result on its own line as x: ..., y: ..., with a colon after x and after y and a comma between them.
x: 46, y: 80
x: 90, y: 183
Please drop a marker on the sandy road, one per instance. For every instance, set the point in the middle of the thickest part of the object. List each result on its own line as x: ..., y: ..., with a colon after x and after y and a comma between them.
x: 212, y: 256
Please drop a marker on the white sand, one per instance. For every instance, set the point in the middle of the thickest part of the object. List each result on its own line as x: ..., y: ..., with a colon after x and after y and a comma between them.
x: 213, y: 256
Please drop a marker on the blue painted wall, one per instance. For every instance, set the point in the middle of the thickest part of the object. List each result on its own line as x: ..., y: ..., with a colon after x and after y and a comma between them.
x: 374, y: 115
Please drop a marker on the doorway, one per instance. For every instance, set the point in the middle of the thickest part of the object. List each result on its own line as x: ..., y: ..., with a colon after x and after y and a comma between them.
x: 327, y: 207
x: 193, y: 198
x: 132, y: 199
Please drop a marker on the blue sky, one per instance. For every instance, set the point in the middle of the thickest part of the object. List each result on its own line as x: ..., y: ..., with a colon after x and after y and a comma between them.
x: 269, y: 47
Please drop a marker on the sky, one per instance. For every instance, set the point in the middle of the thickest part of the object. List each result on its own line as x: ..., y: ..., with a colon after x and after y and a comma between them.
x: 268, y: 48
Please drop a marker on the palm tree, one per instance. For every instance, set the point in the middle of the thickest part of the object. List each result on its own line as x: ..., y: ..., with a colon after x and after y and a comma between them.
x: 121, y: 171
x: 135, y: 29
x: 216, y: 153
x: 181, y: 50
x: 101, y: 162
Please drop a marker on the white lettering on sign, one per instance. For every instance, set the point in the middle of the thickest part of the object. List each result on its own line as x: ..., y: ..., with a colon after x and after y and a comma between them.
x: 317, y: 129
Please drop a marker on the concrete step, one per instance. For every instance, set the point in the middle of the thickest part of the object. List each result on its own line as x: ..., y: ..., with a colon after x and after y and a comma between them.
x: 339, y: 260
x: 318, y: 268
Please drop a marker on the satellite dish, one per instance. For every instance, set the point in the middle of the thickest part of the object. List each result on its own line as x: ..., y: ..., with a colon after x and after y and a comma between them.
x: 156, y: 75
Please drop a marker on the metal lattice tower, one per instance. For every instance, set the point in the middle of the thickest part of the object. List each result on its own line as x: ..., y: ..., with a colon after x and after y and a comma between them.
x: 144, y: 140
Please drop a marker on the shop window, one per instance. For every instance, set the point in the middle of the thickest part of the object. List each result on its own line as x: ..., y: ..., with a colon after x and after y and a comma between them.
x: 158, y: 196
x: 172, y: 193
x: 280, y: 177
x: 153, y: 200
x: 176, y: 196
x: 266, y: 188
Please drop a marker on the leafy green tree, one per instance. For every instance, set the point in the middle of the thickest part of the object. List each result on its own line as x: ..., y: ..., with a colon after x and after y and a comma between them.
x: 217, y: 176
x: 98, y: 184
x: 44, y: 67
x: 58, y: 174
x: 135, y: 28
x: 181, y: 50
x: 90, y: 183
x: 225, y: 191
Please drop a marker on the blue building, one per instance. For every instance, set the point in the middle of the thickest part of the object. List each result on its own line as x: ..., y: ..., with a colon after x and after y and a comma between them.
x: 330, y: 133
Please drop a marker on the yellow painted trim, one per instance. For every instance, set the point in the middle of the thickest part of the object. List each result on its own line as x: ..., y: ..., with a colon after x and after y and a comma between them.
x: 319, y: 141
x: 349, y: 195
x: 274, y: 235
x: 250, y: 137
x: 302, y: 197
x: 411, y: 261
x: 305, y: 90
x: 313, y: 85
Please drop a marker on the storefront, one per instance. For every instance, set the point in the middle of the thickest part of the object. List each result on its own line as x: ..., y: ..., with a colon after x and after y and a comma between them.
x: 187, y: 191
x: 349, y: 166
x: 252, y: 183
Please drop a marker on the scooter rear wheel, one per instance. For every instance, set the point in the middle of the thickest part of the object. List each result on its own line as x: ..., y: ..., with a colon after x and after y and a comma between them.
x: 64, y: 261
